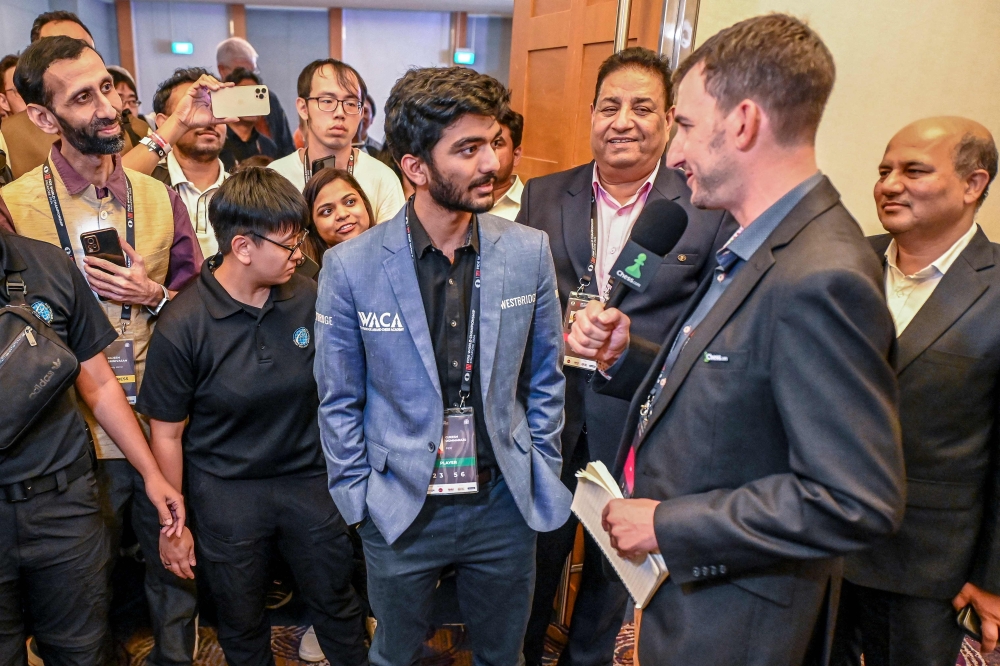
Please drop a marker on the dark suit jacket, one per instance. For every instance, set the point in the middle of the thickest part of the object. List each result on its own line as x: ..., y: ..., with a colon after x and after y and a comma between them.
x: 559, y: 204
x: 776, y: 458
x: 948, y: 364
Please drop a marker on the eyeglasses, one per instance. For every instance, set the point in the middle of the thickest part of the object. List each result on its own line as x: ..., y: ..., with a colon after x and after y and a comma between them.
x: 352, y: 106
x: 291, y: 248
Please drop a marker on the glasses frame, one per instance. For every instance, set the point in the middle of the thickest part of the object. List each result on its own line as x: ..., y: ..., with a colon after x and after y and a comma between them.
x: 340, y: 102
x: 292, y: 249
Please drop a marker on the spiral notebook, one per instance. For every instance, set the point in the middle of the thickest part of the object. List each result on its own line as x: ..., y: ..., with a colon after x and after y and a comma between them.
x: 595, y: 488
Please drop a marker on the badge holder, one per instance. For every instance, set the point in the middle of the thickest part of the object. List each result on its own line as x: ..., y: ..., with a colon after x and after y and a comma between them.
x: 456, y: 469
x: 577, y: 301
x: 121, y: 358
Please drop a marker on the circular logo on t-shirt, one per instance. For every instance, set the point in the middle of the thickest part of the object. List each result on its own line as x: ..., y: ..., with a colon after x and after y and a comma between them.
x: 43, y: 311
x: 301, y: 337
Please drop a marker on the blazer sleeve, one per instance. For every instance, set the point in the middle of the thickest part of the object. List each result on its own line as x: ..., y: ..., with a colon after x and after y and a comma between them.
x: 628, y: 373
x: 340, y: 372
x: 986, y: 568
x: 836, y: 397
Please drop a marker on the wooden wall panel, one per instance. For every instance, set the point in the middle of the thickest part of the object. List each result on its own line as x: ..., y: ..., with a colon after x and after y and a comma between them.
x: 556, y: 49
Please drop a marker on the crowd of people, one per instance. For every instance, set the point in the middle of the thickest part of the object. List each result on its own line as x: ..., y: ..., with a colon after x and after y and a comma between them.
x: 376, y: 365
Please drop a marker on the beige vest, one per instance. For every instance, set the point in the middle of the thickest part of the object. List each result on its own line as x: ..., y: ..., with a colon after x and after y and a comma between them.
x: 154, y: 234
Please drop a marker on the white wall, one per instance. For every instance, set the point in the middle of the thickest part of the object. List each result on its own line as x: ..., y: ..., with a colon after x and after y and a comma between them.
x: 489, y: 37
x: 897, y: 61
x: 15, y: 23
x: 16, y: 17
x: 157, y: 24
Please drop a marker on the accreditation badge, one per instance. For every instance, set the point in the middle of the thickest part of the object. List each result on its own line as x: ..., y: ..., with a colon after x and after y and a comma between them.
x: 456, y: 471
x: 577, y: 301
x: 121, y: 358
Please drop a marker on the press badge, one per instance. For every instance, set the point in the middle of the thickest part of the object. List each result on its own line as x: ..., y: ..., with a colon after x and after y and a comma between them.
x: 578, y: 300
x: 121, y: 358
x: 456, y: 471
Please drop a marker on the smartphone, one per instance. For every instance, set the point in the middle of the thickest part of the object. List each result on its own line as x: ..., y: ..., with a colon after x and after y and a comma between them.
x: 308, y: 268
x: 241, y: 102
x: 103, y: 244
x: 329, y: 162
x: 968, y: 619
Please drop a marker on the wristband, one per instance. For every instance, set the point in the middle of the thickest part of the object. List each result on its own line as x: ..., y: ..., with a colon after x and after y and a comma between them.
x: 160, y: 141
x: 153, y: 147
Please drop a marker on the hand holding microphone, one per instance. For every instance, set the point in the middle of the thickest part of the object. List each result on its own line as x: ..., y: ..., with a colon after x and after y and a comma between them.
x: 601, y: 331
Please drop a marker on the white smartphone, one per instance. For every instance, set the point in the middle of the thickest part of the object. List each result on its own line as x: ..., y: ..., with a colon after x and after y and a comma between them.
x: 241, y: 102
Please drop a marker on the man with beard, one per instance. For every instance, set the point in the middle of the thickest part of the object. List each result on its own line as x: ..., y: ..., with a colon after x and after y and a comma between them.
x: 193, y: 167
x: 330, y: 103
x: 508, y: 187
x: 441, y: 426
x: 83, y: 187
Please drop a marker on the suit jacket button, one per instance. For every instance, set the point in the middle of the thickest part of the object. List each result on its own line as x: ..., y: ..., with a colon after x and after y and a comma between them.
x: 431, y: 446
x: 722, y: 569
x: 696, y: 572
x: 714, y: 569
x: 704, y: 571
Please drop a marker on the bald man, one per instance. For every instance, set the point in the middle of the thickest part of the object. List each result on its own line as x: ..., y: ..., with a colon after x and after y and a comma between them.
x: 942, y: 280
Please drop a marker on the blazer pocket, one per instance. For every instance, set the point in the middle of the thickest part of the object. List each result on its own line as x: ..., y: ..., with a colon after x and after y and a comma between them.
x: 776, y: 589
x: 941, y: 494
x: 377, y: 454
x: 522, y: 436
x: 714, y: 359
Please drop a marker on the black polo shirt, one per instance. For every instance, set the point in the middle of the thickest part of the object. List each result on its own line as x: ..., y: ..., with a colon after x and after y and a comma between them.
x: 243, y: 376
x: 59, y: 294
x: 446, y: 290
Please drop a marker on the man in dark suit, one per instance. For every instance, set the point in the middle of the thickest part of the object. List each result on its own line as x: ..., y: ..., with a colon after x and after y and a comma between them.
x: 762, y: 442
x: 942, y: 283
x: 602, y: 199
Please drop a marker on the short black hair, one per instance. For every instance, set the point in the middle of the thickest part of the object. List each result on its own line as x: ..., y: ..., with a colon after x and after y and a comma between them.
x: 425, y: 101
x: 242, y: 74
x: 343, y: 72
x: 514, y: 122
x: 35, y: 61
x: 636, y: 57
x: 7, y: 62
x: 252, y: 201
x: 180, y: 76
x: 43, y: 20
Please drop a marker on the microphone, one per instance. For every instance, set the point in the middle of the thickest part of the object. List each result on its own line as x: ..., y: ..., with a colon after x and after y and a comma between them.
x: 658, y: 229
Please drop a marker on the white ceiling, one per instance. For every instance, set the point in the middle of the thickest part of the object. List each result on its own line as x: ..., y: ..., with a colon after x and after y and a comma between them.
x: 495, y: 7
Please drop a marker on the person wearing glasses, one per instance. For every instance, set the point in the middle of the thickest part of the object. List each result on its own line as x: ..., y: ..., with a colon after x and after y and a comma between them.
x: 330, y: 103
x: 232, y: 403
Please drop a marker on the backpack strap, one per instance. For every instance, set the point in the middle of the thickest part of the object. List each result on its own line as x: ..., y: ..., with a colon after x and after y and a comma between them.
x: 16, y: 288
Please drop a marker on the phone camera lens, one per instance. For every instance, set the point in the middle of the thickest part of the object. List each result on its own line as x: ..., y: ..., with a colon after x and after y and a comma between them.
x: 91, y: 244
x: 258, y: 91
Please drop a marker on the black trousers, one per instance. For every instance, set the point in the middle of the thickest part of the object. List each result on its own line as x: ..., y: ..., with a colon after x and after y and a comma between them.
x: 237, y: 522
x: 172, y: 601
x: 894, y: 629
x: 600, y: 603
x: 54, y: 577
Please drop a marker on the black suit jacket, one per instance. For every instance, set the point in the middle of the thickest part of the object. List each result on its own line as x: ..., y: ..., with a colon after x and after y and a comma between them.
x: 776, y: 458
x: 559, y: 204
x: 948, y: 364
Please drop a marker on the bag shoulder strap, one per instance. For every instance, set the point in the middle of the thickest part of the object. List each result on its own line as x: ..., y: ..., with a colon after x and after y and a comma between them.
x: 16, y: 288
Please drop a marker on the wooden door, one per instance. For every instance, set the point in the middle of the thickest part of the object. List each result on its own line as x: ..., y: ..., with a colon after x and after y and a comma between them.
x: 556, y: 50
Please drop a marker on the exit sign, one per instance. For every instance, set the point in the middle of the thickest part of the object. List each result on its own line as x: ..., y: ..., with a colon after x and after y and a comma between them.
x: 182, y: 48
x: 465, y: 57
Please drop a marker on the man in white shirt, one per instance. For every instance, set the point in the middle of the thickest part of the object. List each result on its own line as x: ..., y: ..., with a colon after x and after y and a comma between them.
x: 330, y: 103
x: 508, y: 187
x: 899, y: 599
x: 193, y: 167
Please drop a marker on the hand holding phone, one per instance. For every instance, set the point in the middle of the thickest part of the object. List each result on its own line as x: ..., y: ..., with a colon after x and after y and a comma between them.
x: 103, y: 244
x: 241, y: 102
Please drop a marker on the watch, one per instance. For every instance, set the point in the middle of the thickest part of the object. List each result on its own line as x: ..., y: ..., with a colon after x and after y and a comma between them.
x: 163, y: 301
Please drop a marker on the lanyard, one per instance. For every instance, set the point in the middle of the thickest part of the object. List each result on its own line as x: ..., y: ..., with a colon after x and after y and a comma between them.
x: 307, y: 171
x: 592, y: 265
x: 470, y: 345
x: 60, y: 220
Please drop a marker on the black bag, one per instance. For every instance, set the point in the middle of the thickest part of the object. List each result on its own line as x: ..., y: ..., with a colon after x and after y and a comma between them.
x: 36, y: 367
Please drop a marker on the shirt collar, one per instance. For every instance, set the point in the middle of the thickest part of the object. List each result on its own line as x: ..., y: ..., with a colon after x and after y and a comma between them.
x: 178, y: 177
x: 940, y: 265
x: 514, y: 193
x: 748, y: 239
x: 422, y: 242
x: 75, y: 183
x: 600, y: 193
x: 218, y: 301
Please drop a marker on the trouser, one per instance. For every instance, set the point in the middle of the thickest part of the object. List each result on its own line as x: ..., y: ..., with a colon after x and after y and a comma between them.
x: 172, y: 601
x: 237, y: 523
x: 601, y: 601
x: 493, y: 551
x: 894, y: 629
x: 54, y: 576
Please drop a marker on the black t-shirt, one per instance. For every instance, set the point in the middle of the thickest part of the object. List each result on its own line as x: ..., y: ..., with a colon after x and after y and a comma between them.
x: 59, y: 294
x: 243, y: 376
x: 235, y: 149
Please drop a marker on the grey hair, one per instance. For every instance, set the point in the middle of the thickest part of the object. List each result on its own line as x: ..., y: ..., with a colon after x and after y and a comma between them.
x: 235, y: 50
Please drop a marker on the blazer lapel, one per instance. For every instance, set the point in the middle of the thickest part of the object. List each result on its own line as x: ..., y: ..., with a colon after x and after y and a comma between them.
x: 820, y: 199
x: 958, y: 289
x: 576, y: 221
x: 493, y: 271
x: 403, y: 279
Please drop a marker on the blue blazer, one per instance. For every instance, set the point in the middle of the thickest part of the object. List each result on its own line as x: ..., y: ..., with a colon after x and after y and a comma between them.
x: 381, y: 406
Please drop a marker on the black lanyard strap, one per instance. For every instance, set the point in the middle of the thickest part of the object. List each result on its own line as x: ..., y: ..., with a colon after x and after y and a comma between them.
x: 592, y: 265
x: 307, y: 171
x: 470, y: 345
x: 60, y: 221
